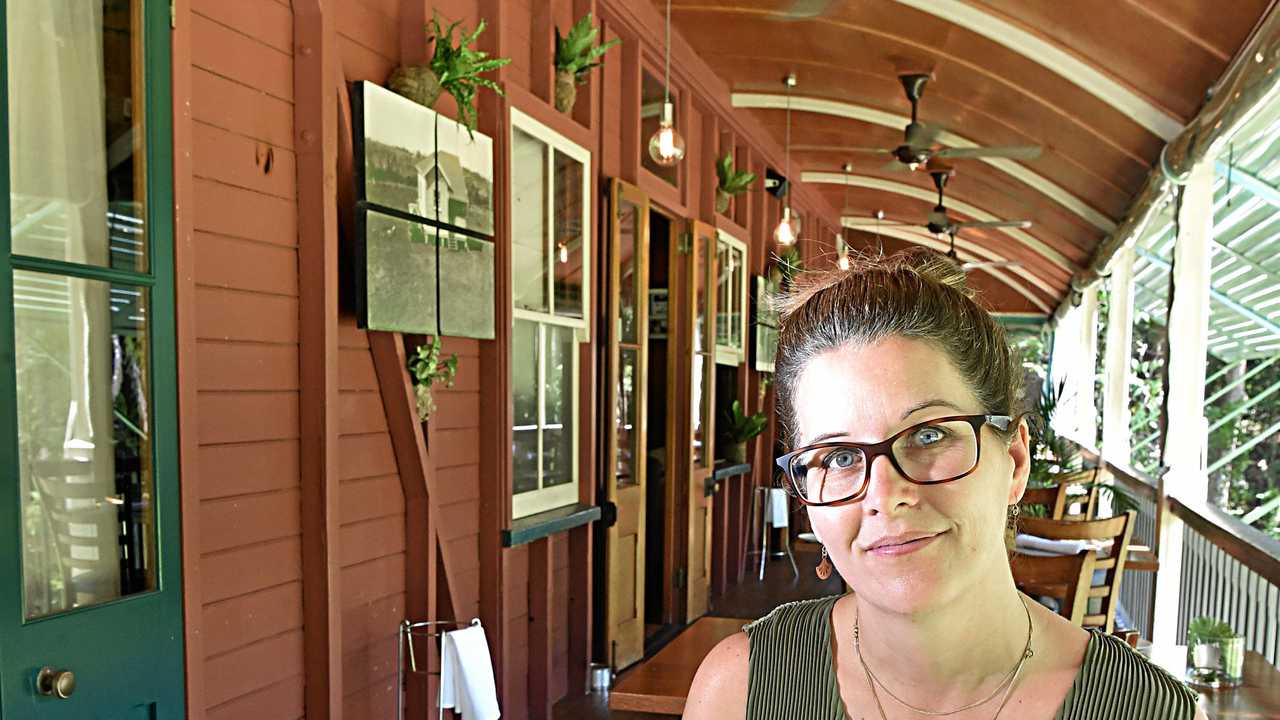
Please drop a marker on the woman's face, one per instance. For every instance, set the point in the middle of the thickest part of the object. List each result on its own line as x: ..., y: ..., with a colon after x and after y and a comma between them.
x: 866, y: 394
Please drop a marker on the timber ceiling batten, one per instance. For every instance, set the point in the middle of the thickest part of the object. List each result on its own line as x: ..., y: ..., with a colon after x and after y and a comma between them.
x: 975, y: 250
x: 1054, y: 59
x: 1050, y: 189
x: 875, y: 183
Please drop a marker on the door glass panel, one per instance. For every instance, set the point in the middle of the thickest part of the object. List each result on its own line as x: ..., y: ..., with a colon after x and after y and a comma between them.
x: 82, y: 351
x: 625, y: 417
x: 696, y: 406
x: 723, y: 294
x: 529, y: 221
x: 524, y: 385
x: 628, y: 228
x: 557, y: 432
x: 76, y: 139
x: 569, y: 236
x: 699, y: 289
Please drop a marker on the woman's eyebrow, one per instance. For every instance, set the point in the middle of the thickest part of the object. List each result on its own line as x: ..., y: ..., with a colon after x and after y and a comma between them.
x: 935, y: 402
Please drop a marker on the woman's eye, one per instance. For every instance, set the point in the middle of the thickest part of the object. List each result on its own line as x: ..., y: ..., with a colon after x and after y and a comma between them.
x: 929, y: 436
x: 843, y: 459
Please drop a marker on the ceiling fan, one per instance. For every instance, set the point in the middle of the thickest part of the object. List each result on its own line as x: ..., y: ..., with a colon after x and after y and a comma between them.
x: 920, y: 146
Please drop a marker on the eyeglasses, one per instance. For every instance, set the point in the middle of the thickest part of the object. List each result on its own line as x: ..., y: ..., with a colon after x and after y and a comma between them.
x: 928, y: 453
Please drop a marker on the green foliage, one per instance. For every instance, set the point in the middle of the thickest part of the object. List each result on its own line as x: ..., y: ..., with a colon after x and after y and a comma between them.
x: 788, y: 264
x: 426, y: 368
x: 1205, y: 629
x: 458, y: 67
x: 733, y: 182
x: 741, y: 428
x: 1050, y: 452
x: 577, y: 52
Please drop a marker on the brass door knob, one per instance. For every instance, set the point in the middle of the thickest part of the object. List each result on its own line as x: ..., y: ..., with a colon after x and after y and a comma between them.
x: 55, y: 683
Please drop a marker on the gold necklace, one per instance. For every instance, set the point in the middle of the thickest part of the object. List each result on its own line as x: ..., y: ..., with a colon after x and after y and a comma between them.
x: 1006, y: 684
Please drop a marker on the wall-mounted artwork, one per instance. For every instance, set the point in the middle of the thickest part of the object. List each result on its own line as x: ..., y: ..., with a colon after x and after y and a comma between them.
x: 766, y: 324
x: 424, y: 190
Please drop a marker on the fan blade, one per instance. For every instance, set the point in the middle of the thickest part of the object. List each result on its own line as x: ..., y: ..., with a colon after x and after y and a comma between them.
x: 921, y: 135
x: 865, y: 222
x: 1016, y: 152
x: 894, y: 166
x: 985, y: 265
x: 1023, y: 224
x: 806, y: 9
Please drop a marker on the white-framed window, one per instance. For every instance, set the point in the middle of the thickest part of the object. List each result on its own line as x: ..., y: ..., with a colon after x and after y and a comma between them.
x: 731, y: 299
x: 550, y: 288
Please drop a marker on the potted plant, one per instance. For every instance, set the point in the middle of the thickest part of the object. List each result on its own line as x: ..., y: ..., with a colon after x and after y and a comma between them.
x: 426, y: 368
x: 786, y: 266
x: 452, y: 68
x: 740, y: 428
x: 1215, y: 652
x: 732, y: 182
x: 576, y: 54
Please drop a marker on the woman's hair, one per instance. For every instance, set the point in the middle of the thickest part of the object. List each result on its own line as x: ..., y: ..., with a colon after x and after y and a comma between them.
x: 915, y: 294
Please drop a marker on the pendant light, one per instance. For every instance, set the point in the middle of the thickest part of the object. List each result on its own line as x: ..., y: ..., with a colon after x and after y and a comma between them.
x: 787, y: 230
x: 666, y: 147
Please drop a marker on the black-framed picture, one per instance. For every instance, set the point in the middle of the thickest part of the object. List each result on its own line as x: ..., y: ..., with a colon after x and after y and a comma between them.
x: 424, y: 219
x: 765, y: 325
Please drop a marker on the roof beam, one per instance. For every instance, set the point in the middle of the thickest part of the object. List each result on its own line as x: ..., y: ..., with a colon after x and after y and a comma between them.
x: 1260, y: 188
x: 862, y: 113
x: 1056, y: 60
x: 929, y: 241
x: 897, y: 188
x: 1218, y: 295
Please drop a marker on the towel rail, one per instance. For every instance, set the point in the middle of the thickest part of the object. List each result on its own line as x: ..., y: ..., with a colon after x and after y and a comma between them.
x: 408, y: 631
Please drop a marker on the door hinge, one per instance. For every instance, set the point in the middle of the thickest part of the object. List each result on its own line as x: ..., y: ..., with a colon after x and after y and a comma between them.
x: 681, y: 579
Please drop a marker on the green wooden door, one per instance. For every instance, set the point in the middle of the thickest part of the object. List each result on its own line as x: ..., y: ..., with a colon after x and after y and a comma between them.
x: 90, y: 584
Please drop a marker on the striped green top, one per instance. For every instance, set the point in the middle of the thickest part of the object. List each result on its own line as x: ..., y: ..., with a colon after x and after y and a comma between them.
x: 790, y: 674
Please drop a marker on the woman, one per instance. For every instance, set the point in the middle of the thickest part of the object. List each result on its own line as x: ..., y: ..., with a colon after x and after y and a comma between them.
x: 900, y: 394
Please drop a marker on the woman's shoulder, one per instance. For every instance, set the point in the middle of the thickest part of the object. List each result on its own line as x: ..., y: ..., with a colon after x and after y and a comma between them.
x: 1117, y: 682
x: 719, y: 688
x: 790, y: 617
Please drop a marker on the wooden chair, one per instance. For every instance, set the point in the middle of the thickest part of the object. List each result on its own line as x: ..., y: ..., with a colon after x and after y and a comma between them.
x: 1117, y: 529
x: 1053, y: 499
x: 1057, y: 498
x: 1068, y: 578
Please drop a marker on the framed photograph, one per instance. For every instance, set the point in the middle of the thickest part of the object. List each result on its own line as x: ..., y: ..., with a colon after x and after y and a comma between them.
x: 424, y: 219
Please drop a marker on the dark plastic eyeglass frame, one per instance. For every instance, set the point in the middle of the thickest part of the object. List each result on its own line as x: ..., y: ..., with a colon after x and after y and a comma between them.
x: 871, y: 451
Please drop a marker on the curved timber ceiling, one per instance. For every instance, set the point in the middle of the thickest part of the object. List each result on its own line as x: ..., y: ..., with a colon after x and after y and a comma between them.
x: 1101, y: 85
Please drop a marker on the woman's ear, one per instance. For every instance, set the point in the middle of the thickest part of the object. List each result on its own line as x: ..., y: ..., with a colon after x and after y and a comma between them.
x: 1020, y: 454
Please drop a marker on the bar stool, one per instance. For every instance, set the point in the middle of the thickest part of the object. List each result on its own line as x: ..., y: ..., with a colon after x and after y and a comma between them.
x: 772, y: 506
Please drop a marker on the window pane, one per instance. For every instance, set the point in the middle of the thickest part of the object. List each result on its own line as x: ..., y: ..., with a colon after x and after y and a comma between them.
x: 651, y: 98
x: 76, y: 140
x: 625, y: 417
x: 569, y: 236
x: 84, y: 441
x: 628, y: 228
x: 524, y: 388
x: 557, y: 433
x: 528, y: 221
x: 724, y: 295
x: 697, y: 407
x: 701, y: 254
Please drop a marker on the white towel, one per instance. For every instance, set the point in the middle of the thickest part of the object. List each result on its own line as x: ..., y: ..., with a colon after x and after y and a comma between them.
x: 466, y: 675
x: 1039, y: 545
x: 779, y: 505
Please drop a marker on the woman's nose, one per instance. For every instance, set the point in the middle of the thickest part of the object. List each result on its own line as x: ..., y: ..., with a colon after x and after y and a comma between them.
x: 888, y: 492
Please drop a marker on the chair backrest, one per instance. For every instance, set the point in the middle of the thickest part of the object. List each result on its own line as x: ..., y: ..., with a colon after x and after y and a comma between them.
x: 1065, y: 577
x: 1117, y: 529
x: 1090, y: 477
x: 1052, y: 498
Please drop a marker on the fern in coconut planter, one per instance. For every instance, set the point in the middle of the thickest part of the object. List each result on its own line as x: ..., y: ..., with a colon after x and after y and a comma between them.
x: 732, y: 182
x: 453, y: 68
x: 576, y: 54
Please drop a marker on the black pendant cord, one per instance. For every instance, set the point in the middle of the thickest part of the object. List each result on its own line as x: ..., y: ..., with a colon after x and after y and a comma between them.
x: 435, y: 129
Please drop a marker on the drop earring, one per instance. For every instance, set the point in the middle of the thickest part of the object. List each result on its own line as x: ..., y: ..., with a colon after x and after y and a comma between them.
x: 823, y: 570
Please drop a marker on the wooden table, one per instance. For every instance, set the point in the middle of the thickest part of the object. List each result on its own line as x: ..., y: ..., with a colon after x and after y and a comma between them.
x: 1257, y: 698
x: 661, y: 683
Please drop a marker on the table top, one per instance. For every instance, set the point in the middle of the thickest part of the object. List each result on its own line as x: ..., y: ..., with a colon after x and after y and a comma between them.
x: 1258, y: 697
x: 661, y: 683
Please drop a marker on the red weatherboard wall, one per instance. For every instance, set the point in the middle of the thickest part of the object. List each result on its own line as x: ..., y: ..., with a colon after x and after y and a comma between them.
x: 239, y: 333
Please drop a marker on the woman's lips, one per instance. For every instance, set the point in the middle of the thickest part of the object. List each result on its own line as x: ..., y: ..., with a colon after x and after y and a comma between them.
x: 903, y: 548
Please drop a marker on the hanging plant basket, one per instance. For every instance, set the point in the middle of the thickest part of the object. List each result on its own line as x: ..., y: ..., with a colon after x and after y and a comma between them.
x: 566, y: 91
x: 722, y: 201
x: 416, y: 82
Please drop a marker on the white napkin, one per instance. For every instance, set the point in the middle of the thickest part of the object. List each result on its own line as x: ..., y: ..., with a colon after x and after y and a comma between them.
x: 1036, y: 545
x: 779, y: 505
x: 466, y: 675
